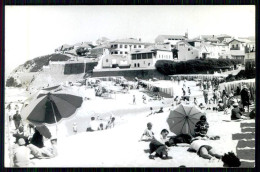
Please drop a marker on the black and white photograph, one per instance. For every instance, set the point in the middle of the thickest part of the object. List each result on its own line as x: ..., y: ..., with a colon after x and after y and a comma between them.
x: 129, y: 86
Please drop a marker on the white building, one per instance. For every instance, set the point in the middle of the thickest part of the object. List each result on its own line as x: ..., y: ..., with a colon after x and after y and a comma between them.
x: 148, y: 57
x: 124, y: 46
x: 170, y: 39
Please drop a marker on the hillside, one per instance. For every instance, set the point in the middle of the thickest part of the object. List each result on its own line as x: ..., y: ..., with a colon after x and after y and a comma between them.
x: 23, y: 74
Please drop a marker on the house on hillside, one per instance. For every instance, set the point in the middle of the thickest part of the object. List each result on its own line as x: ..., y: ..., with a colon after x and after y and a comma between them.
x: 237, y: 48
x: 113, y: 61
x: 197, y: 49
x: 208, y: 38
x: 124, y: 46
x: 146, y: 58
x: 170, y: 39
x: 223, y: 38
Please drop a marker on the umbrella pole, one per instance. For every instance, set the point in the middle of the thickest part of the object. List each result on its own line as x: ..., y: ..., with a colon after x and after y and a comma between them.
x: 55, y: 119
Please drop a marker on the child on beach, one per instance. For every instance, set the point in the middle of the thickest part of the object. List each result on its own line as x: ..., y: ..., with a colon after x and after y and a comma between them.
x: 201, y: 127
x: 75, y: 130
x: 111, y: 122
x: 195, y: 101
x: 148, y: 134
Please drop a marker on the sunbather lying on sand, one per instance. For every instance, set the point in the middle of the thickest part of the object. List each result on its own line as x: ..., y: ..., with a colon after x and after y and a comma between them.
x: 206, y: 151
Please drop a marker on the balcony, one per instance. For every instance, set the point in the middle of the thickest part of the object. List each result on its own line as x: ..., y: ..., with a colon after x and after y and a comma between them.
x: 235, y: 48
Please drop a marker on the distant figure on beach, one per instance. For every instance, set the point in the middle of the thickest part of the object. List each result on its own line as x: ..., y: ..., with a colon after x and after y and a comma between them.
x: 152, y: 112
x: 134, y: 100
x: 245, y: 97
x: 235, y: 112
x: 179, y: 81
x: 176, y: 99
x: 17, y: 119
x: 189, y: 91
x: 160, y: 110
x: 111, y: 122
x: 75, y: 129
x: 144, y: 99
x: 148, y: 134
x: 205, y: 94
x: 183, y: 92
x: 184, y: 83
x: 93, y: 125
x: 195, y: 101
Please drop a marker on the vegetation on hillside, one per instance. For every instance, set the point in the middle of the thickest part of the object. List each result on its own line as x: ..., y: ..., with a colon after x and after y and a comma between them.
x: 168, y: 67
x: 243, y: 74
x: 39, y: 62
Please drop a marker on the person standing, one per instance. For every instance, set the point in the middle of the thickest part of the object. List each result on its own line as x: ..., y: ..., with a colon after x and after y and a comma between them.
x: 134, y: 100
x: 144, y: 99
x: 189, y: 91
x: 205, y: 94
x: 195, y: 101
x: 17, y: 119
x: 75, y: 129
x: 245, y: 96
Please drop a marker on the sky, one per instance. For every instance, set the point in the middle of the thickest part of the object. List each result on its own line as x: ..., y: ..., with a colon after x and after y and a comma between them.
x: 33, y: 31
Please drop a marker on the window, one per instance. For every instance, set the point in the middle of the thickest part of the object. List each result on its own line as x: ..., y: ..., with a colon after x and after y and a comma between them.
x: 150, y: 56
x: 116, y: 52
x: 126, y: 52
x: 233, y: 46
x: 188, y: 49
x: 134, y: 46
x: 133, y: 56
x: 138, y: 65
x: 139, y: 46
x: 115, y: 45
x: 121, y: 46
x: 106, y: 60
x: 237, y: 45
x: 135, y: 64
x: 148, y: 64
x: 144, y: 56
x: 139, y: 56
x: 125, y: 46
x: 112, y: 46
x: 112, y: 52
x: 121, y: 52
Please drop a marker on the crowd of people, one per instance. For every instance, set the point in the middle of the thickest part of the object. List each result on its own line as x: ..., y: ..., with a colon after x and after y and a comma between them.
x: 26, y: 141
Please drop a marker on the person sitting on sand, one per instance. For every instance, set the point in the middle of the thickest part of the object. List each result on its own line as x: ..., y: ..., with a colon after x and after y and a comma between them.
x: 160, y: 110
x: 93, y: 125
x: 152, y: 112
x: 158, y: 147
x: 206, y: 151
x: 220, y: 106
x: 201, y: 127
x: 21, y: 134
x: 111, y: 123
x: 21, y: 155
x: 45, y: 152
x: 148, y: 134
x: 101, y: 126
x: 235, y: 112
x: 195, y: 101
x: 201, y: 106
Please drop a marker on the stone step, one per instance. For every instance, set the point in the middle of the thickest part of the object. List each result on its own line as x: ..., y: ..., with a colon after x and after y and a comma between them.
x: 240, y: 136
x: 248, y: 154
x: 248, y: 130
x: 247, y: 164
x: 247, y: 125
x: 243, y: 144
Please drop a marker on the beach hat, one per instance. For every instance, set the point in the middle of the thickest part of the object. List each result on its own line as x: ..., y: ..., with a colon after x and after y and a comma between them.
x: 21, y: 142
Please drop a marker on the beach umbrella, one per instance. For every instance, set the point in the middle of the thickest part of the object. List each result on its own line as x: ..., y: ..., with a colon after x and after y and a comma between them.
x: 43, y: 130
x: 183, y: 118
x: 51, y: 108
